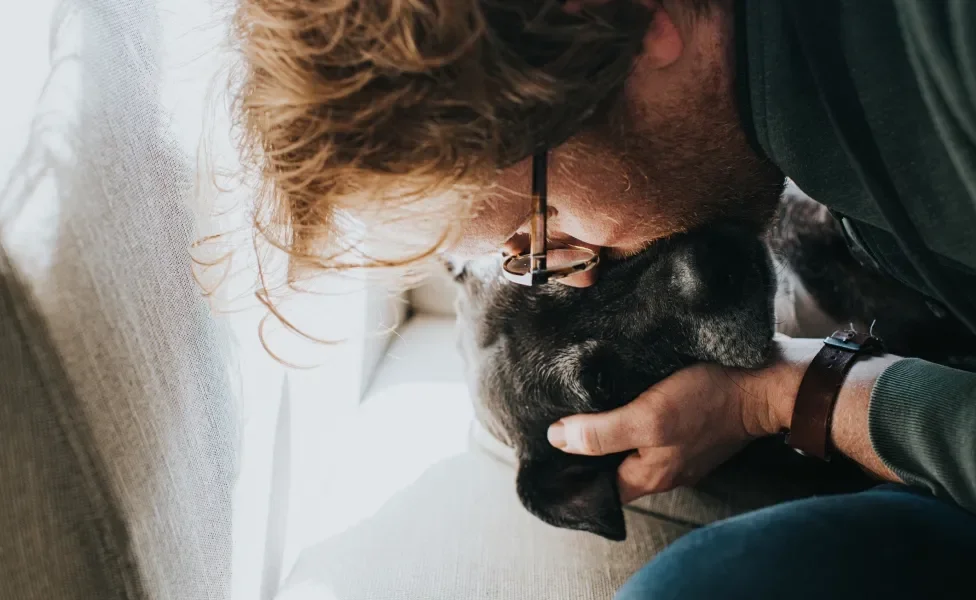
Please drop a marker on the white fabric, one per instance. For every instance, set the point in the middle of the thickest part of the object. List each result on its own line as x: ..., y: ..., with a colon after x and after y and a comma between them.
x: 96, y: 221
x: 416, y: 512
x: 113, y: 121
x: 423, y: 505
x: 435, y: 296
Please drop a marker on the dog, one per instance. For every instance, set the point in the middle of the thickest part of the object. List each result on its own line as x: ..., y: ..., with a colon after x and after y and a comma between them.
x: 535, y: 355
x: 822, y: 287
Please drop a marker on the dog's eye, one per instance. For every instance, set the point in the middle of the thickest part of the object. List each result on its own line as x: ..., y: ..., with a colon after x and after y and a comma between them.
x: 597, y: 382
x: 601, y: 380
x: 599, y: 372
x: 591, y: 380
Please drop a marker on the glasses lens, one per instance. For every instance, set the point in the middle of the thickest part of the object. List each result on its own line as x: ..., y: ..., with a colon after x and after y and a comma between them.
x: 557, y: 259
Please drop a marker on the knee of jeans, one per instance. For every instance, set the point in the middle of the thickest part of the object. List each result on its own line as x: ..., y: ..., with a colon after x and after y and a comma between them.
x: 685, y: 570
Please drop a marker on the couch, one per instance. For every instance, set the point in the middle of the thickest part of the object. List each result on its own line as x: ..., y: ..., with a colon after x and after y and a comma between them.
x: 441, y: 518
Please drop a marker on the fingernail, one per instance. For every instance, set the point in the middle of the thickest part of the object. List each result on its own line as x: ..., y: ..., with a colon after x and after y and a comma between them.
x: 557, y: 435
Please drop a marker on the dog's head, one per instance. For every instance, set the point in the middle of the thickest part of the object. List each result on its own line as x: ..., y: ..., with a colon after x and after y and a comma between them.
x: 535, y: 355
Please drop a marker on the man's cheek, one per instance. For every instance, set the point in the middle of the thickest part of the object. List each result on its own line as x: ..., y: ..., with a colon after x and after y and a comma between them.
x: 477, y: 239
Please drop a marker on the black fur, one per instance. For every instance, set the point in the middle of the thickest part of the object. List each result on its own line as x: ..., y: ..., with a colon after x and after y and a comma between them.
x: 808, y: 240
x: 535, y: 355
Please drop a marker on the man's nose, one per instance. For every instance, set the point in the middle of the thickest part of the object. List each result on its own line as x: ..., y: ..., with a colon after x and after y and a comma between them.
x: 517, y: 244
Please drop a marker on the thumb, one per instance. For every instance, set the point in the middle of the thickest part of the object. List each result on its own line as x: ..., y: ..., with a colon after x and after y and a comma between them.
x: 618, y: 430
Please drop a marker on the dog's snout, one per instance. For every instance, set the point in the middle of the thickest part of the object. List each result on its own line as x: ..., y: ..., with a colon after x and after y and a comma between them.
x: 455, y: 267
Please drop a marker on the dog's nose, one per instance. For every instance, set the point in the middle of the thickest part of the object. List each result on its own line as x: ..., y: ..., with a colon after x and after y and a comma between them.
x: 456, y: 267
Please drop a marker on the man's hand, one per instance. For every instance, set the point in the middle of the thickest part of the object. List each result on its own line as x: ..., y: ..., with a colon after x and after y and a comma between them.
x: 697, y: 418
x: 681, y: 428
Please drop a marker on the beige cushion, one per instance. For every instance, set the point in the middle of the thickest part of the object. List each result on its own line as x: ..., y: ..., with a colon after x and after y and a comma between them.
x: 447, y: 523
x: 435, y: 296
x: 459, y: 533
x: 118, y: 417
x: 425, y: 506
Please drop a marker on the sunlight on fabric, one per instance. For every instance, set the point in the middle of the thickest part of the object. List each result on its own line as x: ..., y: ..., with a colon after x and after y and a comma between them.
x: 39, y: 123
x: 26, y: 58
x: 308, y: 590
x: 393, y: 440
x: 415, y: 414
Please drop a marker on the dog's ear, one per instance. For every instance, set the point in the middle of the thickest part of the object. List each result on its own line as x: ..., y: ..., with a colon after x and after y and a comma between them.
x: 574, y: 493
x: 721, y: 289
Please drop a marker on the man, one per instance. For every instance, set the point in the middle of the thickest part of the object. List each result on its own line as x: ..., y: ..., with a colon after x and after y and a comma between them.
x: 660, y: 116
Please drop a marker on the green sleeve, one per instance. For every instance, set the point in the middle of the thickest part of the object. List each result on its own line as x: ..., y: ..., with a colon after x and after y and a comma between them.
x: 922, y: 422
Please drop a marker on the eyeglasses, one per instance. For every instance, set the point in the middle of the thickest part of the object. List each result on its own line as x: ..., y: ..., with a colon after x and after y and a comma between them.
x: 542, y: 265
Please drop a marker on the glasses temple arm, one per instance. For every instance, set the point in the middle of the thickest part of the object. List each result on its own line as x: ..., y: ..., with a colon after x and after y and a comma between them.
x: 540, y: 209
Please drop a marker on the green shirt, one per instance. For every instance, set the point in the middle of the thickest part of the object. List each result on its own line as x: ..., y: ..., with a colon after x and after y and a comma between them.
x: 870, y: 107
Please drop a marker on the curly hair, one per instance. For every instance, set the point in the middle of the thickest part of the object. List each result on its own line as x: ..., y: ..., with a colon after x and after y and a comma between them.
x: 360, y: 111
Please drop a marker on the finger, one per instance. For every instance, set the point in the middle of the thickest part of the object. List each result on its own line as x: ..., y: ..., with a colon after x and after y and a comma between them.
x: 625, y: 428
x: 630, y: 479
x: 647, y: 472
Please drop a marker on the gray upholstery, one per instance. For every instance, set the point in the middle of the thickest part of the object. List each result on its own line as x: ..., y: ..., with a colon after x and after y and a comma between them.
x: 459, y: 533
x: 118, y: 425
x: 62, y: 531
x: 442, y: 519
x: 453, y: 528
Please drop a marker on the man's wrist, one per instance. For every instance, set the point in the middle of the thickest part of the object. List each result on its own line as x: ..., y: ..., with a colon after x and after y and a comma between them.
x: 771, y: 392
x: 771, y: 395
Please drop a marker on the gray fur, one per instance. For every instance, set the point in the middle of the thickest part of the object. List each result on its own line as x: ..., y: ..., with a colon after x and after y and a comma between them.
x: 535, y: 355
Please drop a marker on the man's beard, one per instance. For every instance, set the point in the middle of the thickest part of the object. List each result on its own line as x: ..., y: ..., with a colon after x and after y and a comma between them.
x: 693, y: 158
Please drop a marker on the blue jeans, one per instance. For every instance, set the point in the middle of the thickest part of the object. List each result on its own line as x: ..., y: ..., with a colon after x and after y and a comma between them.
x: 888, y: 542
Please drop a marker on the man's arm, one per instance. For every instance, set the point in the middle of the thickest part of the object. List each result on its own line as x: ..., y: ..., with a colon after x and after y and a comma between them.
x: 904, y: 420
x: 922, y: 421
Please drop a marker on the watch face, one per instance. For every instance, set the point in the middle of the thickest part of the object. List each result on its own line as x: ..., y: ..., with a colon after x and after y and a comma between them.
x: 846, y: 340
x: 842, y: 343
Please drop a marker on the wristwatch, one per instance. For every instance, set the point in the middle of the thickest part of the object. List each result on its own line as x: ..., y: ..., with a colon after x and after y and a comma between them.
x: 809, y: 432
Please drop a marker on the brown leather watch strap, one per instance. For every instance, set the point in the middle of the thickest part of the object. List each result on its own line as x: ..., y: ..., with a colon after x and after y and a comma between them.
x: 810, y: 426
